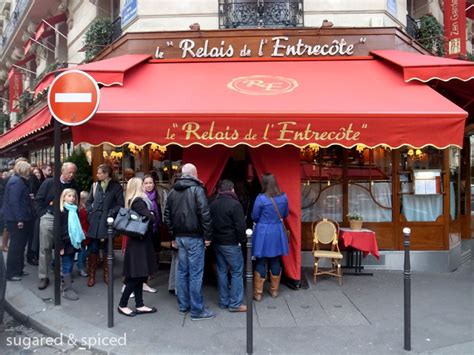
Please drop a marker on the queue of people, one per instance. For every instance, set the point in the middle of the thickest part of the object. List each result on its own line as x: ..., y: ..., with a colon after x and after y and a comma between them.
x: 192, y: 222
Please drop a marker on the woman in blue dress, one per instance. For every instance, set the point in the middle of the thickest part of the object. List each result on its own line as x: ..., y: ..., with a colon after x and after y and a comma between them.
x: 269, y: 237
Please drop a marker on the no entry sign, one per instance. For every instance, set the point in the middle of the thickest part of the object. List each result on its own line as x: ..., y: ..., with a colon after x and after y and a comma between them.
x: 73, y: 97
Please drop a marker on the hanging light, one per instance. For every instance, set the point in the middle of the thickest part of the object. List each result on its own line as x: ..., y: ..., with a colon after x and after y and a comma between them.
x: 360, y: 147
x: 418, y: 152
x: 410, y: 152
x: 154, y: 146
x: 162, y: 149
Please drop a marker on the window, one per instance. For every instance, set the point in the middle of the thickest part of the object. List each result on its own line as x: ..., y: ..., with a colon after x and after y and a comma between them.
x: 260, y: 13
x: 418, y: 207
x: 327, y: 172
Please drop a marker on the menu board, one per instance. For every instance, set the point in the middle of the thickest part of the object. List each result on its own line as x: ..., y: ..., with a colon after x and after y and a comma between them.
x: 427, y: 182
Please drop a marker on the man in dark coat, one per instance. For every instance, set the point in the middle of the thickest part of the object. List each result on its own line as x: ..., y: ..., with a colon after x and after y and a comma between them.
x: 228, y: 224
x: 104, y: 201
x: 189, y: 224
x: 45, y: 210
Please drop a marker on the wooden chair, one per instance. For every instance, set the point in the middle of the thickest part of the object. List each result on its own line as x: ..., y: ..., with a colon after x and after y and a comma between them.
x: 325, y: 245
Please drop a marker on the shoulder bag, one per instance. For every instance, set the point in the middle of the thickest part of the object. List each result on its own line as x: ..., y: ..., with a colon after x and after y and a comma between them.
x: 130, y: 223
x: 287, y: 231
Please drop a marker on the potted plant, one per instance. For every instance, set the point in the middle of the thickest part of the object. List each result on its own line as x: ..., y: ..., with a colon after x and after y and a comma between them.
x: 355, y: 220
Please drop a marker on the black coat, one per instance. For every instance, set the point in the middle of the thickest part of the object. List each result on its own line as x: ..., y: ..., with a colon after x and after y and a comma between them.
x: 16, y: 201
x: 187, y: 212
x: 139, y: 259
x: 228, y: 220
x: 102, y: 205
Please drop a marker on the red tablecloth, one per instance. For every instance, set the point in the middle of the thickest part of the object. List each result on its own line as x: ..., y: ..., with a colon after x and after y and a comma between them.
x: 363, y: 240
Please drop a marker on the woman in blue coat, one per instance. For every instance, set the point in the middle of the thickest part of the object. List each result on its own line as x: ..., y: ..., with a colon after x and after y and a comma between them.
x: 269, y: 236
x: 18, y: 216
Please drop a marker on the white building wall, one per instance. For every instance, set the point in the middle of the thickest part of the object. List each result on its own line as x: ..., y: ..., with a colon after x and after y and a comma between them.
x: 169, y: 15
x: 81, y: 14
x: 356, y: 13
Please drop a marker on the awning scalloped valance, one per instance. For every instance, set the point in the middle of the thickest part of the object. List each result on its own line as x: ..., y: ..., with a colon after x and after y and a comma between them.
x: 339, y: 102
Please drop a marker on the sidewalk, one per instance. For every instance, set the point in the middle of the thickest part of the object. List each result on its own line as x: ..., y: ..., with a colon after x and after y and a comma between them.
x: 364, y: 316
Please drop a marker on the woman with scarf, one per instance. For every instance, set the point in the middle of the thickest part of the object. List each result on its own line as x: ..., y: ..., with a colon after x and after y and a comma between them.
x: 70, y: 243
x: 152, y: 194
x: 105, y: 200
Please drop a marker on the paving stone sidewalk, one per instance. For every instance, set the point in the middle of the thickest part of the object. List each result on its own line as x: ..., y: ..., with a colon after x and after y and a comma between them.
x: 363, y: 316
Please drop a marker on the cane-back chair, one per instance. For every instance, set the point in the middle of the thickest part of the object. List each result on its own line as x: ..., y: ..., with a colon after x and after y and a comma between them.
x: 325, y: 245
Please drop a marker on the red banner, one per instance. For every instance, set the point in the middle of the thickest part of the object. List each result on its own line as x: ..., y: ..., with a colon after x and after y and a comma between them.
x: 15, y: 89
x: 455, y: 28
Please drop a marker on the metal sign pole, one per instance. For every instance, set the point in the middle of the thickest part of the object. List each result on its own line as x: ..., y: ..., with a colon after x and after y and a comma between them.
x: 57, y: 212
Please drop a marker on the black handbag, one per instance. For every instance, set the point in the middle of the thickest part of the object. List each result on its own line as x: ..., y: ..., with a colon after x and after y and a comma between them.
x: 130, y: 223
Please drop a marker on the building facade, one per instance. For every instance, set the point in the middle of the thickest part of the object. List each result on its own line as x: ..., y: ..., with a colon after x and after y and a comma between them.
x: 334, y: 180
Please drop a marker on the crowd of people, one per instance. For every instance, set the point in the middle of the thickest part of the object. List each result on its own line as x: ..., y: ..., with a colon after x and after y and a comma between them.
x: 192, y: 221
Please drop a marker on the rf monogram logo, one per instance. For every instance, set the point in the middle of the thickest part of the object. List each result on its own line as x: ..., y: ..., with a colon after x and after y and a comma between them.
x: 262, y: 85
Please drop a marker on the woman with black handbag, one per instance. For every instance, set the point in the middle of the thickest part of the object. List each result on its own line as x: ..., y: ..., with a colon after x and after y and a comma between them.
x: 139, y: 261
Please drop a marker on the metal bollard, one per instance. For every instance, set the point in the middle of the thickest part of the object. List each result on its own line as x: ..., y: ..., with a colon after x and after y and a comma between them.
x: 407, y: 290
x: 249, y: 289
x: 3, y: 287
x: 110, y: 263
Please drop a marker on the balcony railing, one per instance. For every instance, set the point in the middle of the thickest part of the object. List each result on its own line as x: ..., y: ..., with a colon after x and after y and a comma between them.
x: 412, y: 26
x: 15, y: 18
x: 260, y: 13
x: 116, y: 29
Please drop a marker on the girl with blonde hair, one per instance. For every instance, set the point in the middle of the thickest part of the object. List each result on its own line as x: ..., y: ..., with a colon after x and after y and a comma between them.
x: 71, y: 239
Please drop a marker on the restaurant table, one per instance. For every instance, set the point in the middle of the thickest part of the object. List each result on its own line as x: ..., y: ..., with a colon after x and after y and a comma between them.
x: 359, y: 242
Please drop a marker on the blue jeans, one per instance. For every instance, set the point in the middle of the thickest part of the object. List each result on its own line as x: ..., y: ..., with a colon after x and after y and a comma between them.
x: 67, y: 261
x: 190, y: 272
x: 229, y: 258
x: 81, y: 259
x: 273, y: 265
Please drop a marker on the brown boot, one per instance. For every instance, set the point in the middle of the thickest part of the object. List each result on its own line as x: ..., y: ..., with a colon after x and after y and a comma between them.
x: 258, y: 282
x: 105, y: 267
x: 5, y: 237
x: 92, y: 267
x: 274, y: 284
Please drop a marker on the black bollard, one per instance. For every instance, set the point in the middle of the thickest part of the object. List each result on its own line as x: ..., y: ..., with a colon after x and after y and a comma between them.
x: 407, y: 290
x: 249, y: 289
x: 110, y: 263
x: 3, y: 287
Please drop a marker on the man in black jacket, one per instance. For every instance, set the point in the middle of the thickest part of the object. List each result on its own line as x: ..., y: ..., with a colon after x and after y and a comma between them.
x: 45, y: 210
x: 189, y: 223
x: 228, y: 222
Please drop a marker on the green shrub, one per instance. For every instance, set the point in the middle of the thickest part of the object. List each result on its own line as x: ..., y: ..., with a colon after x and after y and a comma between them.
x: 84, y: 169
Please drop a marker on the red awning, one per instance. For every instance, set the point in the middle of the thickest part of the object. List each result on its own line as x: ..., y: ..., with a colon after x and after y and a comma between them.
x: 343, y: 102
x: 106, y: 72
x: 28, y: 126
x: 470, y: 10
x: 451, y: 77
x: 43, y: 30
x: 426, y: 67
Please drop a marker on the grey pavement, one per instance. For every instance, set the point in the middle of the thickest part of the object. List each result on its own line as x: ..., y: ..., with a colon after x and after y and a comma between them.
x: 363, y: 316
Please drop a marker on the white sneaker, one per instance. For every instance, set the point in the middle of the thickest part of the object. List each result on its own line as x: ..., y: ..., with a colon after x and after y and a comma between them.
x: 132, y: 295
x: 147, y: 288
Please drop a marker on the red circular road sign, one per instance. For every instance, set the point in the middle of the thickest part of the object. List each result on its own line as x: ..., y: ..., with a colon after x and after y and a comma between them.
x: 73, y: 97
